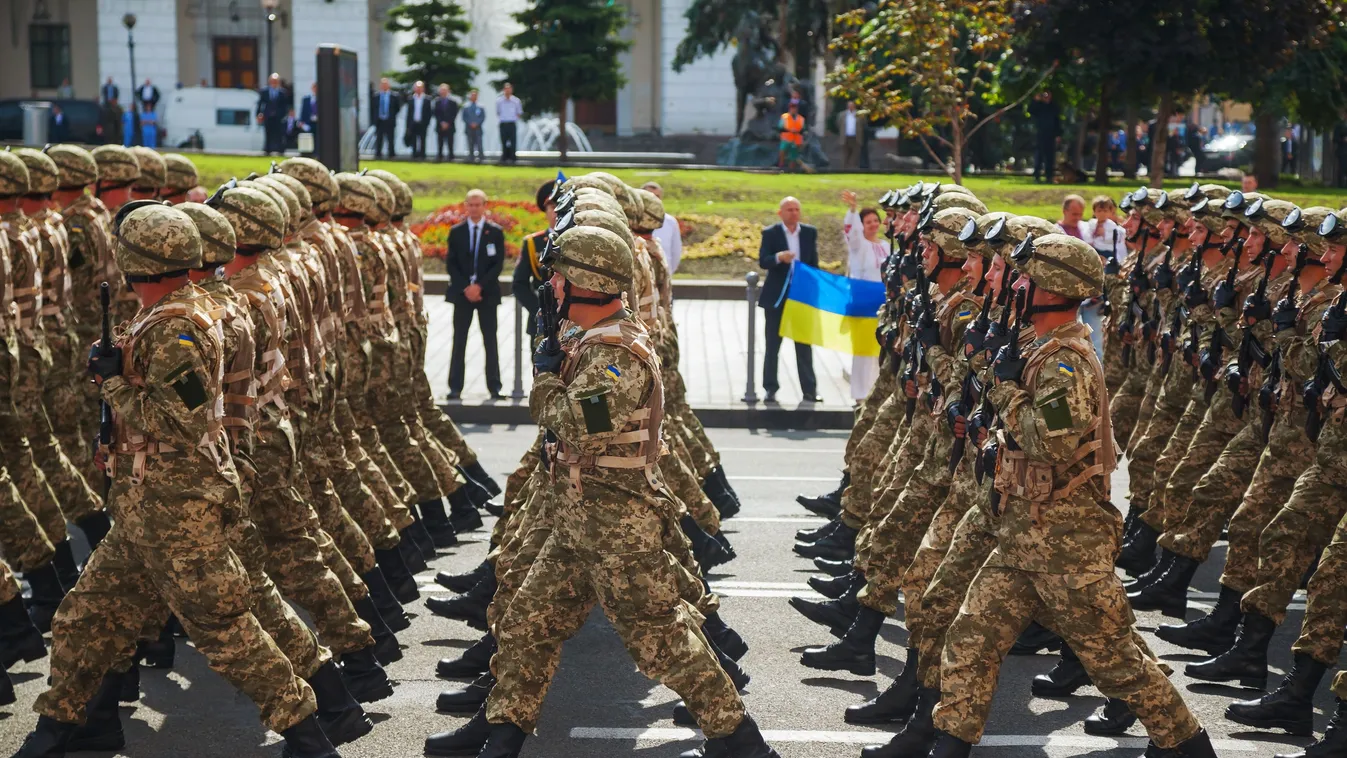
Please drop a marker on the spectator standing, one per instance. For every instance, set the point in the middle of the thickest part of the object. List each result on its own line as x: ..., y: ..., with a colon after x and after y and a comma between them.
x: 866, y: 251
x: 147, y: 96
x: 418, y: 120
x: 1108, y: 239
x: 60, y: 125
x: 273, y: 104
x: 1073, y: 210
x: 509, y: 111
x: 1195, y: 136
x: 473, y: 118
x: 1046, y: 117
x: 528, y: 272
x: 791, y: 126
x: 1248, y: 183
x: 293, y: 126
x: 850, y: 136
x: 109, y: 92
x: 475, y: 259
x: 149, y: 129
x: 65, y: 91
x: 446, y: 113
x: 670, y: 235
x: 384, y: 112
x: 110, y: 122
x: 308, y: 111
x: 782, y: 244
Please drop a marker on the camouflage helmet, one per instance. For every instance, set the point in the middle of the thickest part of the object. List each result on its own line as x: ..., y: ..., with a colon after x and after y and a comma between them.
x: 1332, y: 227
x: 605, y: 220
x: 1236, y: 202
x: 973, y: 235
x: 270, y: 191
x: 257, y: 220
x: 301, y: 193
x: 290, y: 202
x: 402, y: 194
x: 594, y: 200
x: 652, y: 211
x: 357, y: 194
x: 575, y: 183
x: 1208, y: 210
x: 607, y: 178
x: 1151, y: 204
x: 13, y: 175
x: 1002, y: 236
x: 217, y: 234
x: 155, y: 238
x: 153, y: 171
x: 593, y: 258
x: 116, y: 165
x: 1302, y: 225
x: 43, y: 176
x: 180, y: 173
x: 1060, y: 264
x: 946, y: 200
x: 632, y: 206
x: 77, y: 166
x: 315, y: 177
x: 944, y: 229
x: 384, y: 202
x: 1267, y: 216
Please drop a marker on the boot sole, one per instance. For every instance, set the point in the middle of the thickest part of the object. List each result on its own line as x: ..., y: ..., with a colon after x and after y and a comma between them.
x: 1056, y: 692
x: 26, y: 654
x: 397, y: 623
x: 371, y: 694
x: 1257, y: 683
x: 1215, y: 647
x: 869, y: 720
x: 348, y: 727
x: 466, y: 750
x: 1170, y: 611
x: 859, y: 669
x: 1299, y: 728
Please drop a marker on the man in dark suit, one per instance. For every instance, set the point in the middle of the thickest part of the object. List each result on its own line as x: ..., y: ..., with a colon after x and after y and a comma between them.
x: 308, y: 112
x: 418, y: 119
x: 147, y: 96
x: 273, y: 104
x: 782, y: 244
x: 109, y: 92
x: 475, y: 259
x: 446, y: 114
x: 528, y: 272
x: 383, y: 114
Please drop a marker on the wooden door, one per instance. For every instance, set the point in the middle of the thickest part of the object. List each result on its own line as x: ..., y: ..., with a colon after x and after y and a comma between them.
x: 235, y: 62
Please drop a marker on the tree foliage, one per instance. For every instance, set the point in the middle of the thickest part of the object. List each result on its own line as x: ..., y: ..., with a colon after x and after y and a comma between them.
x: 714, y: 25
x: 436, y: 55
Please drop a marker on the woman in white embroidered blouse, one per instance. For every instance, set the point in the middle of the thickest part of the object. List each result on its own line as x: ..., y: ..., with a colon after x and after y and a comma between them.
x: 866, y: 251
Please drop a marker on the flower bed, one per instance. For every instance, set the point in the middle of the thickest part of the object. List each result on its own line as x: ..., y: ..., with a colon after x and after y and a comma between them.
x: 518, y: 220
x: 719, y: 236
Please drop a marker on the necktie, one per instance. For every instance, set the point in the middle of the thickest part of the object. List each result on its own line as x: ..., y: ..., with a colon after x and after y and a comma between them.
x: 475, y: 231
x: 383, y: 105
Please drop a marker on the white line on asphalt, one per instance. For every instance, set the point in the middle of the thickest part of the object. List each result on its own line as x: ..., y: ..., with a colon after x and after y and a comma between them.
x: 807, y: 594
x: 785, y: 478
x: 731, y: 584
x: 778, y: 520
x: 658, y: 734
x: 805, y: 450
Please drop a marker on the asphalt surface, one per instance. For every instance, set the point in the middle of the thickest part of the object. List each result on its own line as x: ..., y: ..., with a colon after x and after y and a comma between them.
x: 600, y: 706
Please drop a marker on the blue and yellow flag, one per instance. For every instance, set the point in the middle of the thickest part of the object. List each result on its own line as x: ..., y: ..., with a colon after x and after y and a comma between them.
x: 831, y: 311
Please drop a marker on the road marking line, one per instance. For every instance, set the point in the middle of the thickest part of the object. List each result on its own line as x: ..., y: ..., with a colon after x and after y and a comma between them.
x: 806, y: 450
x: 808, y: 595
x: 730, y: 584
x: 784, y: 478
x: 802, y: 520
x: 662, y: 734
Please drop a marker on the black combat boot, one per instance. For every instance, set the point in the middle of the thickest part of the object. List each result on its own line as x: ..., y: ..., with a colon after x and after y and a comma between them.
x: 420, y: 535
x: 1213, y: 633
x: 1168, y: 594
x: 1152, y: 574
x: 682, y: 716
x: 386, y: 648
x: 1289, y: 707
x: 48, y: 740
x: 895, y: 704
x: 949, y: 746
x: 829, y: 505
x: 1064, y: 678
x: 1334, y: 742
x: 19, y: 639
x: 838, y: 546
x: 478, y: 475
x: 1139, y: 554
x: 46, y: 597
x: 387, y: 604
x: 399, y: 577
x: 1036, y: 639
x: 64, y: 561
x: 365, y: 678
x: 95, y: 527
x: 837, y: 615
x: 817, y: 533
x: 130, y: 689
x: 467, y: 740
x: 306, y: 740
x: 723, y: 637
x: 411, y: 553
x: 461, y: 583
x: 436, y: 520
x: 340, y: 714
x: 466, y: 699
x: 917, y: 736
x: 855, y: 652
x: 158, y: 653
x: 731, y: 667
x: 469, y: 607
x: 834, y: 568
x: 6, y: 687
x: 463, y: 514
x: 722, y: 495
x: 833, y: 587
x: 1113, y: 718
x: 504, y: 741
x: 1197, y: 746
x: 474, y: 661
x: 1246, y: 660
x: 725, y: 545
x: 745, y: 742
x: 707, y: 551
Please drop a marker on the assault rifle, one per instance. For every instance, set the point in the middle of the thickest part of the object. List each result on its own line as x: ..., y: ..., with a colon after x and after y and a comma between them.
x: 1149, y: 329
x: 105, y: 424
x: 925, y: 317
x: 1256, y: 308
x: 1010, y: 353
x: 1284, y: 317
x: 973, y: 340
x: 1211, y: 362
x: 1333, y: 327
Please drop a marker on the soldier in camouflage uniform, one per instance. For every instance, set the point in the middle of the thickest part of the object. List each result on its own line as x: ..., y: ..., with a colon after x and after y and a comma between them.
x: 19, y: 639
x: 153, y: 173
x: 175, y: 493
x: 180, y: 177
x: 118, y: 170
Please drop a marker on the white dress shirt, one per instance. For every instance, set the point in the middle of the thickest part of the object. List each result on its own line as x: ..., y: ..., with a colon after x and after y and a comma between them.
x: 792, y: 241
x: 864, y: 258
x: 1103, y: 239
x: 417, y: 101
x: 849, y: 124
x: 509, y: 109
x: 671, y: 241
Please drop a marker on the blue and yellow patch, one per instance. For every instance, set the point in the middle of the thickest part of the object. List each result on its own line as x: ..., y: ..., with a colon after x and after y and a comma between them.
x: 612, y: 371
x: 965, y: 315
x: 1062, y: 368
x: 186, y: 340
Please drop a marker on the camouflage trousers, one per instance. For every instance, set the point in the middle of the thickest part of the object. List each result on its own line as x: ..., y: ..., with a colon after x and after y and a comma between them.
x: 1142, y: 475
x: 298, y: 561
x: 1197, y: 520
x: 401, y: 491
x: 329, y: 458
x: 881, y: 390
x: 1090, y: 612
x: 938, y: 603
x: 1150, y: 396
x: 378, y: 523
x: 1160, y: 509
x: 517, y: 490
x: 9, y: 585
x: 1326, y: 605
x: 23, y: 541
x: 75, y: 497
x: 411, y: 457
x: 905, y: 456
x: 1125, y: 405
x: 35, y: 491
x: 640, y: 595
x: 1302, y: 526
x: 440, y: 425
x: 207, y: 588
x: 683, y: 482
x: 866, y: 463
x: 1275, y: 470
x: 899, y: 533
x: 73, y: 417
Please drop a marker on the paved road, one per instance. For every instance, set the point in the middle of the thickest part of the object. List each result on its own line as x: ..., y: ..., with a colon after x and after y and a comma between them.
x: 600, y: 706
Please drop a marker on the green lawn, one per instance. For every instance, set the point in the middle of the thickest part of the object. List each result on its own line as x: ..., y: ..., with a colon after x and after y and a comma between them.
x: 736, y: 194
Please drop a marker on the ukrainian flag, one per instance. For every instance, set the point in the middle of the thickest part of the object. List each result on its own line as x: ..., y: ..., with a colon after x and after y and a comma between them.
x: 831, y: 311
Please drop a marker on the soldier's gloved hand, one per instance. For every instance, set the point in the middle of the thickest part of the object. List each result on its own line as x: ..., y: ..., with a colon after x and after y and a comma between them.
x: 1224, y: 296
x: 547, y: 361
x: 1006, y: 369
x: 928, y: 333
x: 1207, y: 366
x: 954, y: 413
x: 1285, y: 316
x: 105, y: 365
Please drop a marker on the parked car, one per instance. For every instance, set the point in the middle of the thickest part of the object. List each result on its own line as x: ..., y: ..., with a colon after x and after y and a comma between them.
x: 212, y: 117
x: 81, y: 120
x: 1228, y: 151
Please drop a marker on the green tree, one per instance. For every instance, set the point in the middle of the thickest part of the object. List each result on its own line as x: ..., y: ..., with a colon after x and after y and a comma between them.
x: 436, y: 55
x: 568, y: 49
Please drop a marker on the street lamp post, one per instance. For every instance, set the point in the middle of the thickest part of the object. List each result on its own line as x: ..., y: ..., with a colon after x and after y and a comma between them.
x: 269, y: 7
x: 129, y: 21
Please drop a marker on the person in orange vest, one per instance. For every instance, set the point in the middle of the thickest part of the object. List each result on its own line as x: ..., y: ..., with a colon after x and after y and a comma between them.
x: 792, y: 136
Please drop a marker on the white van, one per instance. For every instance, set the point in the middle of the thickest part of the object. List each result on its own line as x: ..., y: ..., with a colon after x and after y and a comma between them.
x: 225, y: 118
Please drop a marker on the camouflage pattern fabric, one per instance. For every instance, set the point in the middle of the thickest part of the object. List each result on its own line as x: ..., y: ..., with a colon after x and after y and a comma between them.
x: 295, y: 561
x: 1326, y: 604
x: 972, y: 542
x: 1195, y: 526
x: 23, y: 541
x: 9, y: 585
x: 1161, y: 511
x: 865, y: 462
x: 906, y: 454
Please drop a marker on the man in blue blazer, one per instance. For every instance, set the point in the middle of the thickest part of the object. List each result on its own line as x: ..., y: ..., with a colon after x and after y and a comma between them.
x: 783, y: 244
x: 308, y: 112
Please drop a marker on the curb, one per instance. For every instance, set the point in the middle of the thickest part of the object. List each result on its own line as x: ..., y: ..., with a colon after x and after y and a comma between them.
x: 759, y: 416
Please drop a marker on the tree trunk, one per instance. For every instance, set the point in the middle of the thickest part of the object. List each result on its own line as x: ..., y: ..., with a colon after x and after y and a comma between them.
x: 956, y: 149
x: 784, y: 55
x: 1104, y: 127
x: 1267, y: 156
x: 1078, y: 148
x: 1160, y: 144
x: 561, y: 122
x: 1133, y: 147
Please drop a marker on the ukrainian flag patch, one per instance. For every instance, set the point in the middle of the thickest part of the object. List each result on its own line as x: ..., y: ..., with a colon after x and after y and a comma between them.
x: 1062, y: 368
x: 612, y: 371
x: 186, y: 340
x: 965, y: 315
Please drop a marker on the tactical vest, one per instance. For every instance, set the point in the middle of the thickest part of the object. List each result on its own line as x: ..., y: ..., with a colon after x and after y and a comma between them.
x: 355, y: 313
x: 305, y: 346
x: 645, y: 294
x: 411, y: 260
x: 267, y: 298
x: 9, y: 310
x: 26, y: 273
x: 55, y: 271
x: 198, y: 306
x: 378, y: 318
x: 1020, y: 477
x: 642, y: 428
x: 239, y: 383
